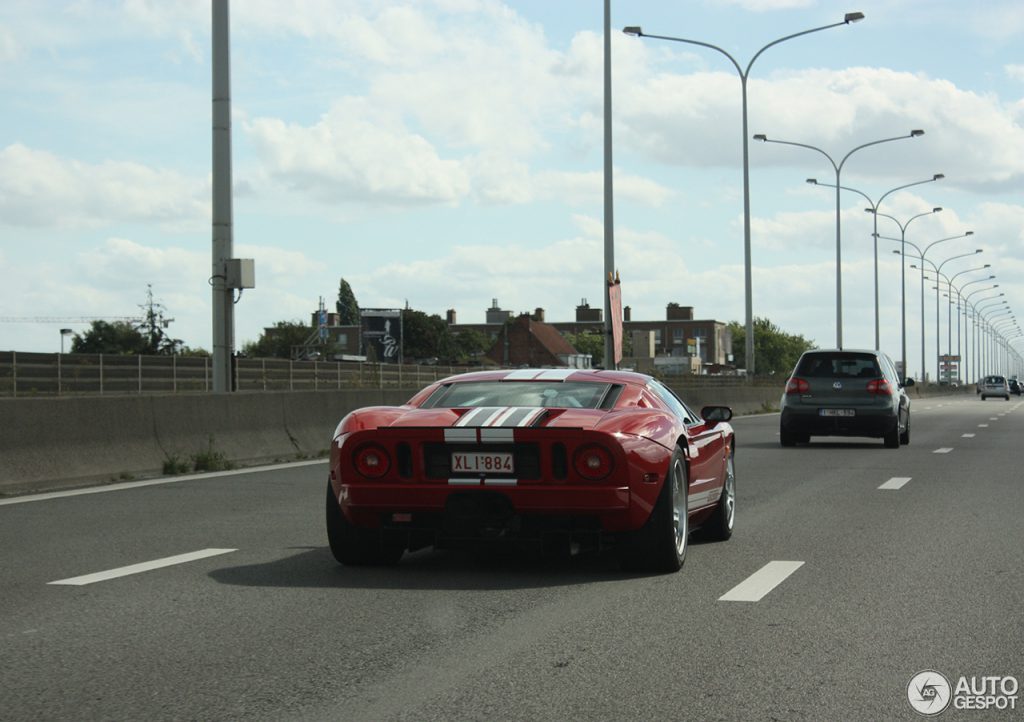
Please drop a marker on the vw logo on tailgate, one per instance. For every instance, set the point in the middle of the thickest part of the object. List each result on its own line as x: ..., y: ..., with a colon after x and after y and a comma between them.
x: 838, y: 385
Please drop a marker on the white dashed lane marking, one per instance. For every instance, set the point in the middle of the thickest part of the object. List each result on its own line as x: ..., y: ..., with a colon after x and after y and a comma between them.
x: 943, y: 450
x: 967, y: 436
x: 139, y: 568
x: 982, y: 426
x: 895, y: 482
x: 758, y: 584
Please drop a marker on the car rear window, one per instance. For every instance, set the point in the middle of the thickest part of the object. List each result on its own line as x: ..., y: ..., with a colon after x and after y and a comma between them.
x: 839, y: 365
x: 540, y: 394
x: 995, y: 380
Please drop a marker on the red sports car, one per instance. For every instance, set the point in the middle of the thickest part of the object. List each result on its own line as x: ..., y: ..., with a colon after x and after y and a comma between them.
x: 557, y: 456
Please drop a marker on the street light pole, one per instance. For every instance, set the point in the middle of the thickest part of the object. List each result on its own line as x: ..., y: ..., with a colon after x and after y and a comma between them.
x: 838, y: 168
x: 902, y: 240
x: 744, y: 75
x: 968, y: 309
x: 873, y: 210
x: 938, y: 274
x: 949, y: 314
x: 922, y: 255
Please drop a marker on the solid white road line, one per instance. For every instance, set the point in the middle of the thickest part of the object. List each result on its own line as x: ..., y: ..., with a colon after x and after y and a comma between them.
x: 967, y: 436
x: 895, y: 482
x: 154, y: 482
x: 943, y: 450
x: 758, y: 584
x: 143, y: 567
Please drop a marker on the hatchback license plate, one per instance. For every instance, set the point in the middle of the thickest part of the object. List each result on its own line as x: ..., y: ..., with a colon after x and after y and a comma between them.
x: 482, y: 462
x: 837, y: 412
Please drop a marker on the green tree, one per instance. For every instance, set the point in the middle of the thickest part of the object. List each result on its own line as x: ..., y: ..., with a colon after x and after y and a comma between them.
x: 774, y: 350
x: 347, y: 307
x: 425, y: 336
x: 119, y: 337
x: 588, y: 342
x: 278, y: 340
x: 470, y: 345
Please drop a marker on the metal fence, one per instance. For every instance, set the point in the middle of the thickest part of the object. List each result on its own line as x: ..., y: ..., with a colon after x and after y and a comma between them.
x: 47, y: 374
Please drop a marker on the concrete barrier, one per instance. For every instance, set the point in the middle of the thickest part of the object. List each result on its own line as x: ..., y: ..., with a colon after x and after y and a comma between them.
x: 68, y: 441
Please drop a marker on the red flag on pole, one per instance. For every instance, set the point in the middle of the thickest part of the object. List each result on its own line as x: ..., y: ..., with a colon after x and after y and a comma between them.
x: 615, y: 304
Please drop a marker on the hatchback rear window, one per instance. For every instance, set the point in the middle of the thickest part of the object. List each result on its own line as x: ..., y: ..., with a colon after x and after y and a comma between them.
x: 995, y: 380
x: 839, y: 365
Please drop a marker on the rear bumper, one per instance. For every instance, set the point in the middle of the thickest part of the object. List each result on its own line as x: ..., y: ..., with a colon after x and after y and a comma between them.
x: 867, y: 422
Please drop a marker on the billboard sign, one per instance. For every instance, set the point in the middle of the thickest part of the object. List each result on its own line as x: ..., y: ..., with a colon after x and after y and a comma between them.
x: 382, y: 334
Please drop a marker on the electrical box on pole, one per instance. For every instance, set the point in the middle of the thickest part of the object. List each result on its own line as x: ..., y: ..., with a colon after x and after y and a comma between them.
x: 240, y: 273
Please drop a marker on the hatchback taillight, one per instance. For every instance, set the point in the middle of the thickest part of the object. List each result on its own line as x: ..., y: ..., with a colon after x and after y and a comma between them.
x: 372, y: 461
x: 797, y: 386
x: 592, y: 462
x: 880, y: 387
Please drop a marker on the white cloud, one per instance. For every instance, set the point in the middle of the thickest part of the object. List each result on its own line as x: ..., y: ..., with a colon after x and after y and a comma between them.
x: 973, y: 137
x: 38, y: 188
x: 768, y: 5
x: 357, y: 153
x: 8, y: 46
x: 1015, y: 72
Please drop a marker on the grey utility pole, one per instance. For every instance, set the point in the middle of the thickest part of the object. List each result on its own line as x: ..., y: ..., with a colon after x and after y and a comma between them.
x: 609, y: 220
x: 223, y: 295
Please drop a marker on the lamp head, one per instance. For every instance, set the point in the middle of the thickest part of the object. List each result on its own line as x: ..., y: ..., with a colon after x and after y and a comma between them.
x: 915, y: 133
x: 869, y: 210
x: 853, y: 18
x: 980, y: 250
x: 937, y: 210
x: 812, y: 181
x: 938, y: 176
x: 761, y: 137
x: 969, y: 233
x: 633, y: 30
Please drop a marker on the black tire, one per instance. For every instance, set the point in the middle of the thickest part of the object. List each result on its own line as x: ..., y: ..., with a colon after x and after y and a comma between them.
x: 720, y: 526
x: 905, y: 434
x: 983, y: 397
x: 660, y: 545
x: 892, y: 438
x: 353, y: 546
x: 787, y: 438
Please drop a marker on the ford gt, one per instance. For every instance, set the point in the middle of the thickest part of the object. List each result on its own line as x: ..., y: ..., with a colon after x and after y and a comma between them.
x: 588, y: 459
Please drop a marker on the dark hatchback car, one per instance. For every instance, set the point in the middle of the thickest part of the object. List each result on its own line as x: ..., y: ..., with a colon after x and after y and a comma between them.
x: 845, y: 393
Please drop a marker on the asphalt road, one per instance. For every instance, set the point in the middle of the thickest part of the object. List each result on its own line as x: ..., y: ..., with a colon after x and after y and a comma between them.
x: 265, y: 625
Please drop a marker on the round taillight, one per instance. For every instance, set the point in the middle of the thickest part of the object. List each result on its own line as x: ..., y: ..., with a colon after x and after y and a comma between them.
x: 372, y: 461
x: 593, y: 462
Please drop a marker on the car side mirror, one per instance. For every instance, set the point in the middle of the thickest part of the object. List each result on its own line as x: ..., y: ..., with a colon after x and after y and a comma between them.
x: 908, y: 382
x: 716, y: 414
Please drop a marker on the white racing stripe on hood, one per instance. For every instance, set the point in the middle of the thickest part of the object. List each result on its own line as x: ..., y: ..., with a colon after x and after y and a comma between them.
x: 500, y: 416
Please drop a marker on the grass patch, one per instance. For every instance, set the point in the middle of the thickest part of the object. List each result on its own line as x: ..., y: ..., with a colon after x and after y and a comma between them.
x: 175, y: 465
x: 210, y: 459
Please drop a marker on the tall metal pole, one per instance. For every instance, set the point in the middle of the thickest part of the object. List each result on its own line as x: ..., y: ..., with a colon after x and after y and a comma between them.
x: 223, y: 297
x: 609, y: 224
x: 848, y: 18
x: 838, y: 169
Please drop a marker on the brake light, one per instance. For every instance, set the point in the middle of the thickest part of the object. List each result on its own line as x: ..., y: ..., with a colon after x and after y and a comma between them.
x: 880, y: 387
x: 592, y: 462
x: 797, y: 386
x: 372, y: 461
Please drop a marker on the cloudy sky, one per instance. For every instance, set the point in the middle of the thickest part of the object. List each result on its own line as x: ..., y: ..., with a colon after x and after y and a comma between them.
x: 443, y: 153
